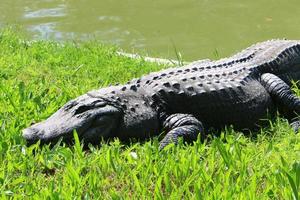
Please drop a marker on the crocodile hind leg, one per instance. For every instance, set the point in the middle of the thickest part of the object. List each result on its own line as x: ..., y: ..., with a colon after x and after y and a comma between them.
x: 181, y: 125
x: 283, y: 96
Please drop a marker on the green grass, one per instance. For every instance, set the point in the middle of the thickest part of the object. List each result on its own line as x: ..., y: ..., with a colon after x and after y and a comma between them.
x: 36, y: 78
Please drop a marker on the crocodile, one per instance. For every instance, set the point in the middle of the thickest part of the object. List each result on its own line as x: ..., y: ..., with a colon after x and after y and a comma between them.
x: 185, y: 102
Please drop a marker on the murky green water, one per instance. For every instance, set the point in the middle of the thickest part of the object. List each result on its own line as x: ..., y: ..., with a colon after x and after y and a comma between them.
x: 196, y: 28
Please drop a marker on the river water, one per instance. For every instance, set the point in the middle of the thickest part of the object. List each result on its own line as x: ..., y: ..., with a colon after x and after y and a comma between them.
x: 195, y: 28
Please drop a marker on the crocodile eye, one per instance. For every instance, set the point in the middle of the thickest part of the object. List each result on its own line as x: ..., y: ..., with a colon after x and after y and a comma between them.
x: 70, y: 105
x: 83, y: 108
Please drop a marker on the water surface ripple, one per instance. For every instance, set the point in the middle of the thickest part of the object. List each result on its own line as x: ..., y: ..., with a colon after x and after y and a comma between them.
x: 196, y: 28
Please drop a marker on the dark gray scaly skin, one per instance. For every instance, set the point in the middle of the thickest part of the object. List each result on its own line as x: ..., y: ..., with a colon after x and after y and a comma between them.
x: 185, y: 101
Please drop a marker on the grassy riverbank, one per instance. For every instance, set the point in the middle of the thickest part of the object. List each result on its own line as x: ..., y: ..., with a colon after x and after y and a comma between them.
x: 36, y: 78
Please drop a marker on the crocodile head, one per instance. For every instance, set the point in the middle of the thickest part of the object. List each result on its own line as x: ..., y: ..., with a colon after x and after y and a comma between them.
x: 92, y: 118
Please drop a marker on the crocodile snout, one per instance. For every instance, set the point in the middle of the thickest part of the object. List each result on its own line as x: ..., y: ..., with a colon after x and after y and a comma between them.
x: 31, y: 135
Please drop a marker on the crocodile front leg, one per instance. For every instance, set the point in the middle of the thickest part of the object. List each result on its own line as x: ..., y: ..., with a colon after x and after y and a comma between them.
x: 181, y: 125
x: 282, y: 95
